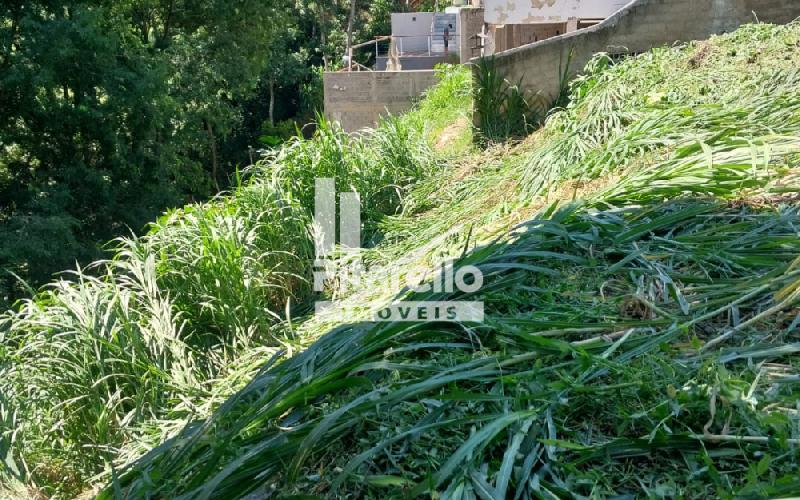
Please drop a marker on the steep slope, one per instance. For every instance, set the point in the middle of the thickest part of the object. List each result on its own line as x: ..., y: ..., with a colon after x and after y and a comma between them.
x: 641, y: 266
x: 641, y: 275
x: 108, y: 361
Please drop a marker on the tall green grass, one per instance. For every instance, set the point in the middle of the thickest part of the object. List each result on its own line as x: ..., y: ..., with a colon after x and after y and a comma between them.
x: 584, y: 302
x: 641, y: 331
x: 503, y: 109
x: 641, y: 261
x: 447, y: 106
x: 102, y: 363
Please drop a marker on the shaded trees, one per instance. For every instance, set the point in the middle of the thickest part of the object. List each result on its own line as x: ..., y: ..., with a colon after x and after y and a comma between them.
x: 112, y: 111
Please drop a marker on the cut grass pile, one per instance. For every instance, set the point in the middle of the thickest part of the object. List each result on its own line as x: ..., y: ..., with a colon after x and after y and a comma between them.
x: 641, y: 331
x: 641, y: 263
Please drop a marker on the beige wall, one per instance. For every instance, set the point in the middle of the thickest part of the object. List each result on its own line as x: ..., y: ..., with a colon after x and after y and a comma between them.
x: 357, y: 99
x: 470, y: 22
x: 640, y: 26
x: 509, y: 36
x: 548, y: 11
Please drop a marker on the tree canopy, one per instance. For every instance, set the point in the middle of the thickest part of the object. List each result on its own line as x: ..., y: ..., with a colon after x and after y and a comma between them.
x: 113, y: 111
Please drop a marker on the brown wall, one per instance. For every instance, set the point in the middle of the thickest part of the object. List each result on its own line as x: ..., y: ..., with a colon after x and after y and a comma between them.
x: 471, y: 23
x: 515, y: 35
x: 357, y: 99
x: 640, y: 26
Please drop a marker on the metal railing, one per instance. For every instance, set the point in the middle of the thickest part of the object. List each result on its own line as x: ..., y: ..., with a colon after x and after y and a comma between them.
x: 406, y: 45
x: 433, y: 44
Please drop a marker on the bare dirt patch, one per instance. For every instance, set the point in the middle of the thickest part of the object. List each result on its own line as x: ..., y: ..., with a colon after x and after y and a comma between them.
x: 449, y: 135
x: 700, y: 55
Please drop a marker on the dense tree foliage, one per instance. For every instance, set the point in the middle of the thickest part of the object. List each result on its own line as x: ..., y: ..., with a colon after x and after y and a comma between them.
x: 112, y: 111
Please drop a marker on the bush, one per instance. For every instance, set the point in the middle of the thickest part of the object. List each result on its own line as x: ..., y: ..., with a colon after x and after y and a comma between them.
x: 503, y: 109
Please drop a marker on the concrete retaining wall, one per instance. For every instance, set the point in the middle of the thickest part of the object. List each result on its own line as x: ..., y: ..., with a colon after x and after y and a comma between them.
x: 638, y: 27
x: 470, y: 23
x: 358, y: 99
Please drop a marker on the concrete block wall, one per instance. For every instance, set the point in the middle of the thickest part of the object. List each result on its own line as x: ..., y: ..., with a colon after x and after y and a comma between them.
x: 508, y: 36
x: 358, y: 99
x: 639, y: 26
x: 470, y: 23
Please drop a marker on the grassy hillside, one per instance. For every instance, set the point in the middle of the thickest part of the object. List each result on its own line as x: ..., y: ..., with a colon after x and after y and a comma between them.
x: 642, y: 275
x: 111, y: 360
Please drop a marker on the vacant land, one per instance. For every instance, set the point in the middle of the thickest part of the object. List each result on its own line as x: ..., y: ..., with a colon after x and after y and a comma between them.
x: 641, y: 263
